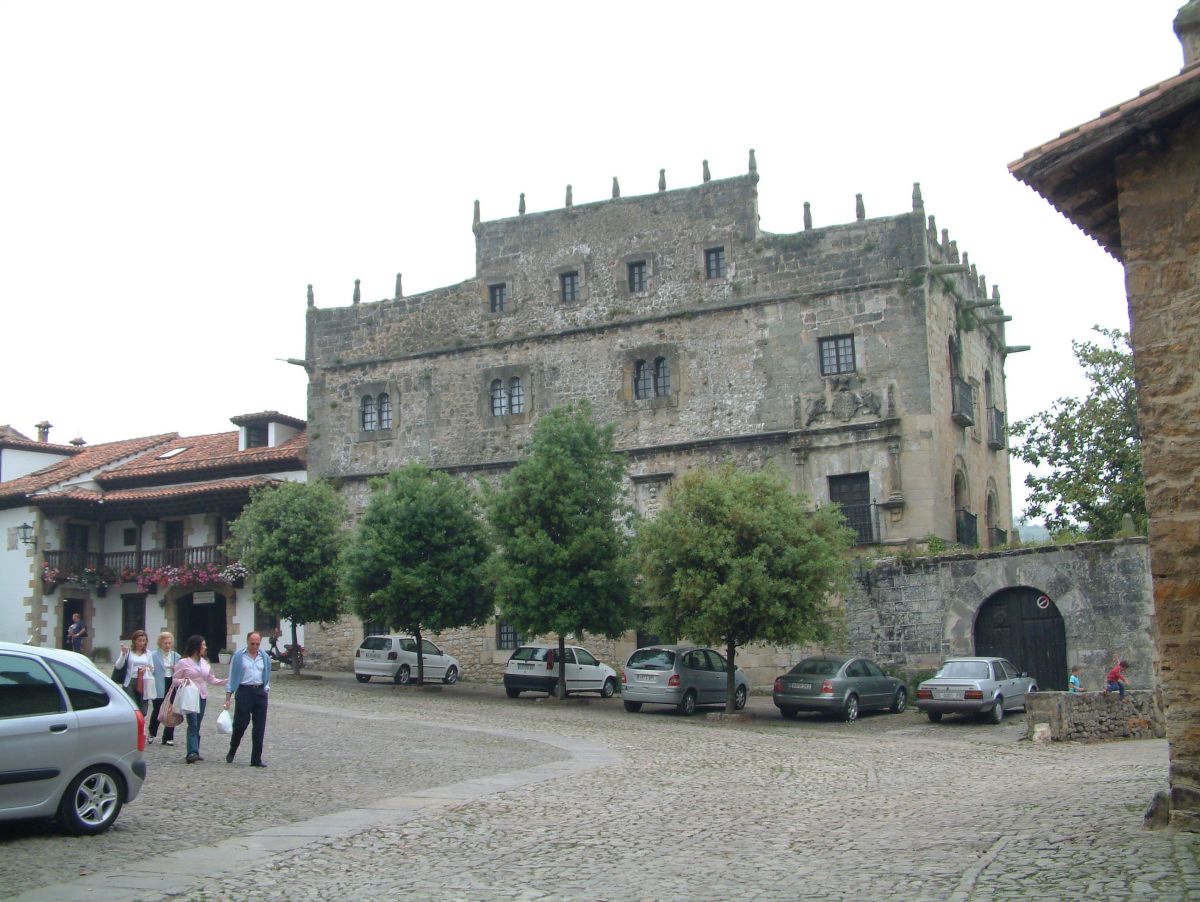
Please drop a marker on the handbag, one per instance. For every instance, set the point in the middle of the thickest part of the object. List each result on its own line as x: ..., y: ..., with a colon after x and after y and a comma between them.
x: 167, y: 715
x: 118, y: 674
x: 189, y: 698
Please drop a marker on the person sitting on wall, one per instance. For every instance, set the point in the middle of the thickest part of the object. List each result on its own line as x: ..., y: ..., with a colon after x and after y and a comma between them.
x: 1073, y: 683
x: 1116, y: 681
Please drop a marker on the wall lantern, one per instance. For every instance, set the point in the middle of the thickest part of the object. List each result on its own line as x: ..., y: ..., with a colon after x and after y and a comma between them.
x: 25, y: 531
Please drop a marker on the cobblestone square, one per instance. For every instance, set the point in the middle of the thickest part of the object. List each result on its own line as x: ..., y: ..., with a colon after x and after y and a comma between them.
x: 378, y: 791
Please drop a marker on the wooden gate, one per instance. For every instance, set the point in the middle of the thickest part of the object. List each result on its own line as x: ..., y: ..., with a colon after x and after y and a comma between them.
x: 1023, y: 625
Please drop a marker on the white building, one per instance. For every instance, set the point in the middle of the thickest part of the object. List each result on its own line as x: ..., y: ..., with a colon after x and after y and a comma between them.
x: 129, y: 533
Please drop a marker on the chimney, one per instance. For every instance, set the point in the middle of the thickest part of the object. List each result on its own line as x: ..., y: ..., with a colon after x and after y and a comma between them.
x: 43, y: 429
x: 78, y: 442
x: 1187, y: 29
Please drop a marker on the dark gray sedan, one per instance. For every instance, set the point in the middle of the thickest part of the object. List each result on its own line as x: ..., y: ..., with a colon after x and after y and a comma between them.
x: 839, y: 685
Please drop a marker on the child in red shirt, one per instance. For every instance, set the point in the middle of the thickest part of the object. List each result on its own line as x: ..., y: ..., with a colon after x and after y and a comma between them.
x: 1116, y: 679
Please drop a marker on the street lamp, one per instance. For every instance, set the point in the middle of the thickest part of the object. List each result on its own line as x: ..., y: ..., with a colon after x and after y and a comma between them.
x: 25, y: 531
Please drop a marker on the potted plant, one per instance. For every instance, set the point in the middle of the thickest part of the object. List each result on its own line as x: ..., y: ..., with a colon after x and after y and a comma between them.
x: 235, y: 574
x: 50, y: 578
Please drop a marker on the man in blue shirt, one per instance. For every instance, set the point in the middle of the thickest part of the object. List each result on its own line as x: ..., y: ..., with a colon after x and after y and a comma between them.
x: 249, y: 681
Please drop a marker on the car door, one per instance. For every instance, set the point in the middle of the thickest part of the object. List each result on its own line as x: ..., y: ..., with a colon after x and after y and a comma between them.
x: 435, y: 661
x: 718, y: 666
x: 1014, y: 686
x: 880, y: 686
x: 38, y: 734
x: 591, y: 675
x: 692, y: 667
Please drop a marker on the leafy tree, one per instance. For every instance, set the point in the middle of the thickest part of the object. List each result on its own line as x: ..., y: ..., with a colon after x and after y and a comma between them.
x: 417, y: 558
x: 1088, y: 451
x: 736, y: 557
x: 289, y: 537
x: 563, y: 565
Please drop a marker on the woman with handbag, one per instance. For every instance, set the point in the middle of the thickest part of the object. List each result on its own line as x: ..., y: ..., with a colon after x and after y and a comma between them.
x: 194, y: 674
x: 139, y: 672
x: 163, y: 659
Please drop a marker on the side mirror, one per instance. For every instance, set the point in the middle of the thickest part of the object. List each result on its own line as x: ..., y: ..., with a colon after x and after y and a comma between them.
x: 1024, y: 674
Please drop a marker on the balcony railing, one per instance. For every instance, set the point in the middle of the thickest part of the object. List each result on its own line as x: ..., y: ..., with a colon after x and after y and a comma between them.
x: 963, y: 411
x: 966, y: 528
x: 997, y: 537
x: 861, y: 518
x: 996, y: 428
x: 72, y: 563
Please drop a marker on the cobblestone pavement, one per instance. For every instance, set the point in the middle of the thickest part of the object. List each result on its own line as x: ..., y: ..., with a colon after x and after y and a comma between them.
x: 378, y: 791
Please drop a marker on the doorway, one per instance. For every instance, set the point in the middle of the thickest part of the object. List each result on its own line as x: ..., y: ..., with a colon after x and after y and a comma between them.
x: 203, y: 617
x: 1024, y: 625
x: 71, y: 607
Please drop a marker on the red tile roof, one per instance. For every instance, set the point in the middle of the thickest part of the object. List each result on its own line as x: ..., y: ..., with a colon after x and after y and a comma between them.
x: 201, y: 454
x: 84, y: 460
x: 12, y: 438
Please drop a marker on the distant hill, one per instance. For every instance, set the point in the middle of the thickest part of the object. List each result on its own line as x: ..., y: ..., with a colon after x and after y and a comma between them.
x: 1032, y: 532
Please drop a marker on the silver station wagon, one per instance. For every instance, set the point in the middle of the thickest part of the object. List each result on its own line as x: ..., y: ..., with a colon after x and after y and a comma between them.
x: 71, y: 741
x: 975, y: 686
x: 681, y: 676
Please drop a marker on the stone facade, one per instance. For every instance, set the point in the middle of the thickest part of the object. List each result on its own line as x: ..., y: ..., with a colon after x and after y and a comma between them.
x: 1129, y: 179
x: 1097, y: 716
x: 864, y: 360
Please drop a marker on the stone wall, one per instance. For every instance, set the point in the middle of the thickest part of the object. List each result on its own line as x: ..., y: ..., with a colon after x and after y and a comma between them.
x: 1097, y: 716
x: 1160, y: 236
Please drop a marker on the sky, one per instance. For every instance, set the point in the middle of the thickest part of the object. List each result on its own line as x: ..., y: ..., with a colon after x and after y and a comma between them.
x: 175, y: 174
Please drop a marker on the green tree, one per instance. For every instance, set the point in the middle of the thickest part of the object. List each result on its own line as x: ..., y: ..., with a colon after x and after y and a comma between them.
x: 289, y: 537
x: 417, y: 558
x: 1088, y: 452
x: 563, y: 564
x: 735, y: 557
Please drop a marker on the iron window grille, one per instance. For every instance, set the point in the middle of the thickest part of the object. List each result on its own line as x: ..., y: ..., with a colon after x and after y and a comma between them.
x: 662, y: 377
x: 499, y: 398
x: 366, y: 415
x: 966, y: 528
x: 714, y: 263
x: 643, y: 381
x: 516, y: 395
x: 837, y: 355
x: 384, y: 405
x: 497, y: 297
x: 996, y: 428
x: 963, y: 411
x: 637, y: 277
x: 569, y: 283
x: 507, y: 635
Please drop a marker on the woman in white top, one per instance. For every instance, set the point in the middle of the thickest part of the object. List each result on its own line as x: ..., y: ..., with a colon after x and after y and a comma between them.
x: 139, y: 670
x: 163, y: 660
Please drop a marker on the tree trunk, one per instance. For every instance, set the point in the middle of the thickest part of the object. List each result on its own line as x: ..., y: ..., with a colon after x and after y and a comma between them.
x: 420, y: 657
x: 730, y: 670
x: 562, y: 667
x: 295, y: 651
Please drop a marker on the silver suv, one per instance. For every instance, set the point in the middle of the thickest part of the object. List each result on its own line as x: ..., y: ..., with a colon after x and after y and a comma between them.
x: 72, y: 740
x: 679, y: 675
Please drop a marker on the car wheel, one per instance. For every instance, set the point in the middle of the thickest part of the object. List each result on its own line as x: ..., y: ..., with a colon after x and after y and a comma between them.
x: 850, y: 710
x: 996, y: 714
x: 510, y: 692
x: 633, y: 707
x: 451, y: 676
x: 92, y: 801
x: 900, y: 701
x: 609, y: 687
x: 739, y: 698
x: 687, y: 706
x: 363, y: 677
x: 403, y: 675
x: 934, y: 716
x: 789, y: 713
x: 1028, y: 692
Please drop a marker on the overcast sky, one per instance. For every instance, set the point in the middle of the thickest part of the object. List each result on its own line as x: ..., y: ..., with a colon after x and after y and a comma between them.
x: 175, y: 174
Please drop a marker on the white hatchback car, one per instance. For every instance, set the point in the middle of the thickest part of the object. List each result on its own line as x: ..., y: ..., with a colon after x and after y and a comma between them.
x: 71, y: 740
x: 532, y: 668
x: 395, y: 657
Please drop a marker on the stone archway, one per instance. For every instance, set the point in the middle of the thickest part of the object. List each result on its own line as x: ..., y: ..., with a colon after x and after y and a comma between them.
x: 1024, y: 625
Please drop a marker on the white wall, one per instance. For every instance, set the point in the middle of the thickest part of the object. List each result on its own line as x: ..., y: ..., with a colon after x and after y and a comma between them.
x: 17, y: 564
x: 17, y: 462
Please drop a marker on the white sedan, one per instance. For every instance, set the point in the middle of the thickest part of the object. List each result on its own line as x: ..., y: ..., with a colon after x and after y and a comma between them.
x: 395, y: 657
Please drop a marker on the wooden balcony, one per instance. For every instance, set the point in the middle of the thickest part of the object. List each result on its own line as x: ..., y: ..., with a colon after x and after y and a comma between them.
x: 71, y: 563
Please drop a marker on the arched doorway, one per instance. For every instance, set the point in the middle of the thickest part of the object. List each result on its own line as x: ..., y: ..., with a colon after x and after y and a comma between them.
x: 1023, y: 625
x: 203, y: 616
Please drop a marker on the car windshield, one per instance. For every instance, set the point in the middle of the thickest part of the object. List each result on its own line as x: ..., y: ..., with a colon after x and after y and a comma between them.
x: 529, y: 653
x: 964, y: 670
x: 652, y: 659
x: 816, y: 667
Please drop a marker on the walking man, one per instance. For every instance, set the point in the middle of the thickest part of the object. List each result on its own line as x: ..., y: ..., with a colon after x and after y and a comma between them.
x: 77, y: 632
x: 249, y: 681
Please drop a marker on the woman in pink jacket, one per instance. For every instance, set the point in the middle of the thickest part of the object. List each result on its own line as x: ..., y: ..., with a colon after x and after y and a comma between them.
x: 193, y: 667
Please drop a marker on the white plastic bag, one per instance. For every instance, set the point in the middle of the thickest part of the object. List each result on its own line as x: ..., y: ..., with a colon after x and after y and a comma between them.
x: 224, y: 722
x: 189, y: 698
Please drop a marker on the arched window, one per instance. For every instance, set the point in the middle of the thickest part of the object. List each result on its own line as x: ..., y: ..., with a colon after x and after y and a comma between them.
x: 499, y: 398
x: 662, y: 377
x: 384, y: 404
x: 516, y: 395
x: 643, y: 384
x: 366, y: 414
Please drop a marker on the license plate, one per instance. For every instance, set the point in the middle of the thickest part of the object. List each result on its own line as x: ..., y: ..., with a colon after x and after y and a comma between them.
x: 647, y: 678
x: 801, y: 685
x: 948, y: 694
x: 524, y: 666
